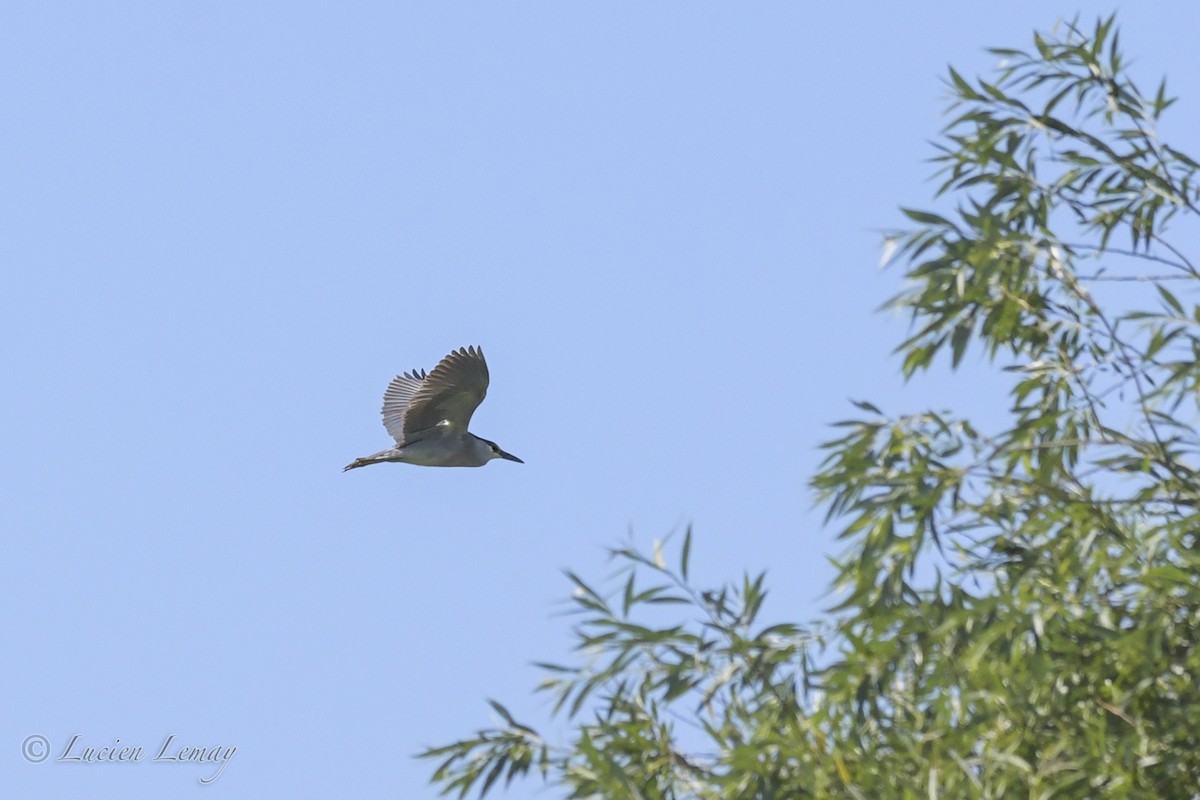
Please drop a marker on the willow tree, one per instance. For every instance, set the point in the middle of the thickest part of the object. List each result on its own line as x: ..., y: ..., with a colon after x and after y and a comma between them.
x: 1019, y: 604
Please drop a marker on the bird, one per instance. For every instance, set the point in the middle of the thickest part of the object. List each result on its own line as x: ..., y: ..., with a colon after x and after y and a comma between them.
x: 428, y: 413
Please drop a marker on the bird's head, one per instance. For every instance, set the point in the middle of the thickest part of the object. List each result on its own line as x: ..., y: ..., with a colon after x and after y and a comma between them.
x: 494, y: 451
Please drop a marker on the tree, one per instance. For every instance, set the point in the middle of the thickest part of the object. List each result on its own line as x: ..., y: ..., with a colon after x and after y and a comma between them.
x: 1020, y: 608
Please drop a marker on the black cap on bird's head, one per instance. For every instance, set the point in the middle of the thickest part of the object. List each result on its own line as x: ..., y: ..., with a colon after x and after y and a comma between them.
x: 498, y: 453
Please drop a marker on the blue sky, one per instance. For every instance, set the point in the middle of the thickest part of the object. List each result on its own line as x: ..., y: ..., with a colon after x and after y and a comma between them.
x: 228, y: 225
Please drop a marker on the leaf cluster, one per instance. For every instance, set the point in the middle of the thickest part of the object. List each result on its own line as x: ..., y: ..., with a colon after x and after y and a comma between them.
x: 1018, y: 606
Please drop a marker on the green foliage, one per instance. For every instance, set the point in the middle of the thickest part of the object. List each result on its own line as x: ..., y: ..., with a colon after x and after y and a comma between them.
x: 1019, y: 609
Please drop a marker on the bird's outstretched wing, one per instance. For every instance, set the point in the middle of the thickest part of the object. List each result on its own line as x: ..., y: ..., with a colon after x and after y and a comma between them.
x: 447, y: 396
x: 397, y: 399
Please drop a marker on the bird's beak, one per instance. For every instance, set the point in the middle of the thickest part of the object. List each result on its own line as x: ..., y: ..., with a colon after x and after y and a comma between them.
x: 510, y: 457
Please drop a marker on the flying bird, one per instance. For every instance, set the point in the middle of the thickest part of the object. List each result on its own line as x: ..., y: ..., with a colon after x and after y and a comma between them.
x: 428, y: 414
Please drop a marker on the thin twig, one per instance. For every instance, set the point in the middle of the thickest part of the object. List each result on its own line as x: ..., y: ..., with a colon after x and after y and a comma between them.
x: 1146, y: 278
x: 1181, y: 264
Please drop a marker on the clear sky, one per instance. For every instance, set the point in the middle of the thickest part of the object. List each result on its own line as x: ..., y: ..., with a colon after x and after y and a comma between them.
x: 227, y: 225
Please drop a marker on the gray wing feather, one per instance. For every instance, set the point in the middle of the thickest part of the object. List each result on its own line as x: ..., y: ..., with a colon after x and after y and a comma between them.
x: 397, y: 399
x: 448, y: 395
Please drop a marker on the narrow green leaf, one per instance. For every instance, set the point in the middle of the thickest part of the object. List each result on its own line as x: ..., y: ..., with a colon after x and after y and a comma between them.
x: 686, y: 553
x: 1170, y: 299
x: 503, y: 712
x: 926, y: 217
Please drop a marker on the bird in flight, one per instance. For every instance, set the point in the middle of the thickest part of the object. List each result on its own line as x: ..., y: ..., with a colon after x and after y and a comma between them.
x: 428, y: 414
